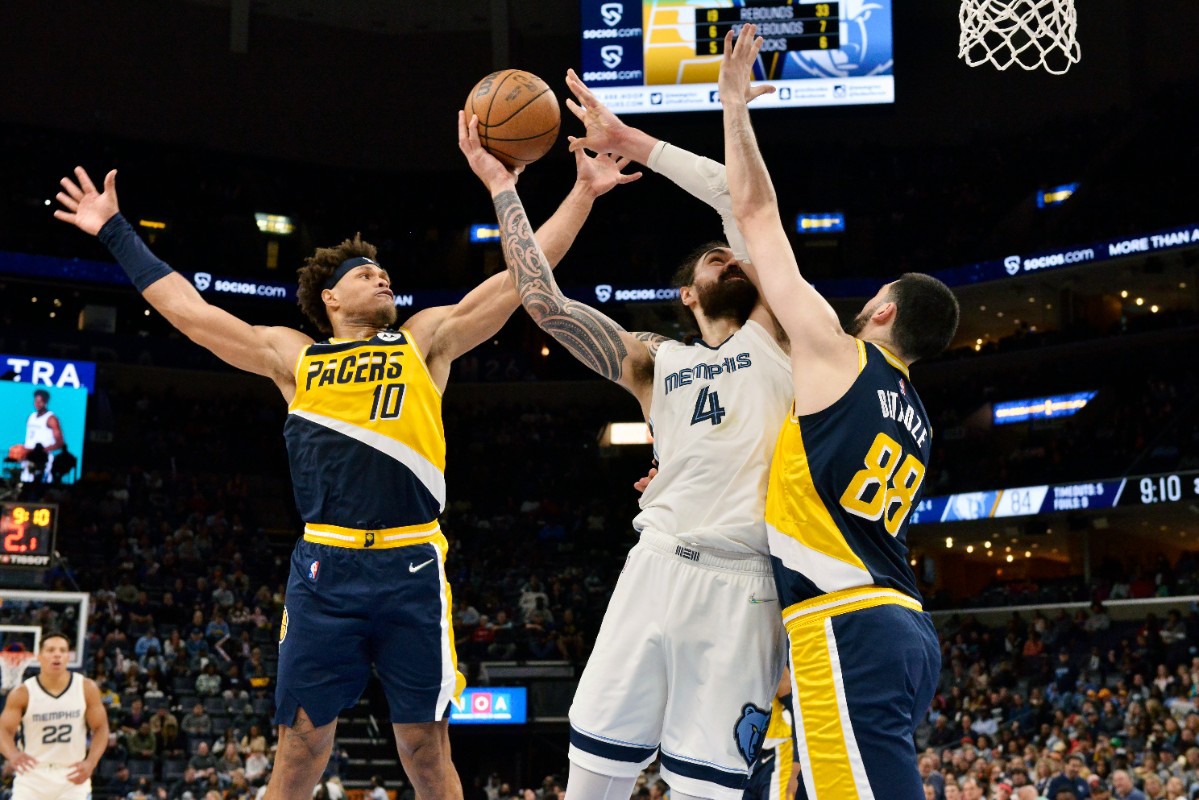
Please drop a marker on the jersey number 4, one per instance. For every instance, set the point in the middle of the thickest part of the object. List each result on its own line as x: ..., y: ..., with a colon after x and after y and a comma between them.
x: 884, y: 487
x: 707, y: 407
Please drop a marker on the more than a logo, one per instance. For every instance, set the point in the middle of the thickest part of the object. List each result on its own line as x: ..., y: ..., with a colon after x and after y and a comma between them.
x: 202, y: 280
x: 603, y: 292
x: 1011, y: 264
x: 611, y: 55
x: 612, y: 13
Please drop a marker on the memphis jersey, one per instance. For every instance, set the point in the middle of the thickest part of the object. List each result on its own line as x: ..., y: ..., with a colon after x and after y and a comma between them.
x: 843, y: 482
x: 365, y: 439
x: 714, y: 416
x: 37, y: 431
x: 55, y: 726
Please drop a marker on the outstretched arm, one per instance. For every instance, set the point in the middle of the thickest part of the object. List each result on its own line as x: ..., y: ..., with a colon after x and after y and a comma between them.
x: 590, y: 336
x: 702, y: 178
x: 268, y: 351
x: 449, y: 331
x: 806, y: 317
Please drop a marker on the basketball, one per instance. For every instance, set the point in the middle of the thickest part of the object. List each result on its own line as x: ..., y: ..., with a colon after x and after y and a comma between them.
x: 518, y: 113
x: 17, y: 453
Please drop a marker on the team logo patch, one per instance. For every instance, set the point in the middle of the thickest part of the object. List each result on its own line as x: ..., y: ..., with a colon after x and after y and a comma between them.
x: 389, y: 336
x: 313, y: 569
x: 903, y: 388
x: 283, y: 626
x: 750, y: 731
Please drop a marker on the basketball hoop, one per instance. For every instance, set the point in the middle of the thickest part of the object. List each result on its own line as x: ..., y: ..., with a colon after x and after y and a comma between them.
x: 12, y: 667
x: 1030, y: 33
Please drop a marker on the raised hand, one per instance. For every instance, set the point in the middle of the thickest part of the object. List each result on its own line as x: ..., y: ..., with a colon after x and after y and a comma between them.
x: 491, y: 170
x: 602, y: 172
x: 605, y: 131
x: 86, y: 208
x: 737, y: 67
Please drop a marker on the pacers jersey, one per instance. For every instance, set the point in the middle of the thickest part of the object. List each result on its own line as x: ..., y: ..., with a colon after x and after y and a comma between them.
x: 843, y: 482
x: 55, y: 726
x: 714, y: 416
x: 366, y: 443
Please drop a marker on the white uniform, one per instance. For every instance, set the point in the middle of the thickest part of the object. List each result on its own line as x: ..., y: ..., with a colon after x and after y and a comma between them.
x: 37, y: 431
x: 55, y: 732
x: 691, y: 648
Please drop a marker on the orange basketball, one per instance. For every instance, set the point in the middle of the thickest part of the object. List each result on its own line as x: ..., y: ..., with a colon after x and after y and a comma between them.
x: 17, y: 452
x: 519, y: 116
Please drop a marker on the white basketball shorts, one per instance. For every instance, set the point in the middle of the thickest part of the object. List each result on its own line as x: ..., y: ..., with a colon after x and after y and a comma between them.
x: 687, y: 661
x: 49, y: 783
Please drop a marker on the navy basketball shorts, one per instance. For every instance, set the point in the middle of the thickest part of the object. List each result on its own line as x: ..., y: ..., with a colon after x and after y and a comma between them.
x: 349, y: 609
x: 866, y: 662
x: 772, y: 773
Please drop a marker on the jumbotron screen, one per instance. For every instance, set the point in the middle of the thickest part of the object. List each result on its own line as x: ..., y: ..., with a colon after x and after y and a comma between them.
x: 664, y: 55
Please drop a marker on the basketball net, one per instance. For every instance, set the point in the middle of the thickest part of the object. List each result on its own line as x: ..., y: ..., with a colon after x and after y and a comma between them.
x: 1030, y: 33
x: 12, y: 667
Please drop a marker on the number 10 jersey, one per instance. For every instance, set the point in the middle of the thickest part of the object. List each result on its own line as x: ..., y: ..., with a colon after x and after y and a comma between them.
x: 366, y: 443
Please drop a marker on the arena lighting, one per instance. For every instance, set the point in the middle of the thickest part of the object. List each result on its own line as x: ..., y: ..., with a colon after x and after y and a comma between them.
x: 617, y: 434
x: 1056, y: 196
x: 278, y: 224
x: 1062, y: 405
x: 484, y: 233
x: 833, y: 222
x: 152, y: 224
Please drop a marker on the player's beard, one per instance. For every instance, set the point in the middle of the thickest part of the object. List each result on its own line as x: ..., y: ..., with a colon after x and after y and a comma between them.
x: 727, y: 298
x: 857, y: 324
x: 383, y: 318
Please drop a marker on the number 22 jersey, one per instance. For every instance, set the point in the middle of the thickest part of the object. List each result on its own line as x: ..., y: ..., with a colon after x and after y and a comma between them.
x: 843, y: 482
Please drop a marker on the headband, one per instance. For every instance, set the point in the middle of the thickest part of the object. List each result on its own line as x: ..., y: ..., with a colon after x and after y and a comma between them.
x: 344, y: 267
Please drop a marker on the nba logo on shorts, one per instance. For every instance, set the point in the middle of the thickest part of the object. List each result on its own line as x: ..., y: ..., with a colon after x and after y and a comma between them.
x: 313, y: 568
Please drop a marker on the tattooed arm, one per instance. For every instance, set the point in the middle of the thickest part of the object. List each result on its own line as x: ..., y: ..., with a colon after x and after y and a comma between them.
x: 590, y: 336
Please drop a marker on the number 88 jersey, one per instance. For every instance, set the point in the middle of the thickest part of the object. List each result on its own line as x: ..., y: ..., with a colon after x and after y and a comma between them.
x: 843, y: 482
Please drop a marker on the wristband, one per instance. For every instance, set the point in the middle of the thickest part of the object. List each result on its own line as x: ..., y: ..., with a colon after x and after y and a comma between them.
x: 142, y: 266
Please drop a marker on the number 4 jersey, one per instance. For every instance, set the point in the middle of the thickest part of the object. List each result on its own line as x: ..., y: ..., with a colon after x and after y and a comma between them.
x: 843, y: 482
x: 715, y: 416
x: 366, y: 443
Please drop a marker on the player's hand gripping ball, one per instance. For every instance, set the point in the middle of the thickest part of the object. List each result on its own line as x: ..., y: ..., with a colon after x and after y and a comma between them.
x: 17, y: 452
x: 519, y: 116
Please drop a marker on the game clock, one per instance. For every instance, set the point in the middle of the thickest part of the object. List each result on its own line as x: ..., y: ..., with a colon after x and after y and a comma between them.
x: 1170, y: 487
x: 27, y: 534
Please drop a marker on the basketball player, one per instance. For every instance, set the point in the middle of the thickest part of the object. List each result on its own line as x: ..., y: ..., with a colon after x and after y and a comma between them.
x: 847, y: 471
x: 42, y: 428
x: 689, y: 652
x: 365, y: 439
x: 55, y: 710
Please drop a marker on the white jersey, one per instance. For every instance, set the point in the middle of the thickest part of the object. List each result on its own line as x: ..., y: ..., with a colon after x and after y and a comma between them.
x: 715, y: 416
x: 55, y: 726
x: 37, y: 431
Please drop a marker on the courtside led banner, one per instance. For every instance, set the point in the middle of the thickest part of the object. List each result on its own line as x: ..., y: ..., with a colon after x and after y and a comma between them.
x: 494, y: 705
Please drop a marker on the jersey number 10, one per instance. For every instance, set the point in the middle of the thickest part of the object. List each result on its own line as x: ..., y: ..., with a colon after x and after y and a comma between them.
x: 884, y: 487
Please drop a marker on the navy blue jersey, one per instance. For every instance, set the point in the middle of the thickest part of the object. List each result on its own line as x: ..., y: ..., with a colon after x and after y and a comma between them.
x: 843, y: 483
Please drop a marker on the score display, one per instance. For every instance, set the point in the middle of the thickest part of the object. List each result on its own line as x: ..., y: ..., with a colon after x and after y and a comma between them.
x: 664, y: 55
x: 1143, y: 490
x: 27, y: 534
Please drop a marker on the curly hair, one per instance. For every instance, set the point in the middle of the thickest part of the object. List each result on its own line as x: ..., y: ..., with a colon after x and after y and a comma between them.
x: 317, y: 269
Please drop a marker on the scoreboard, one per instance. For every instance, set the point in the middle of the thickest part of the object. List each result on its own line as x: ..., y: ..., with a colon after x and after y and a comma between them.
x: 27, y: 534
x: 664, y: 55
x: 1023, y: 501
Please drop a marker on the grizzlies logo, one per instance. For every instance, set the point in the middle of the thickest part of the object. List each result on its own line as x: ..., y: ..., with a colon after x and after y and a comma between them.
x: 750, y: 731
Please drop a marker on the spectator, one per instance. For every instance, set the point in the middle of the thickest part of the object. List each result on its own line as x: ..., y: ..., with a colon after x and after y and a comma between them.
x: 257, y: 767
x: 197, y: 724
x: 208, y: 683
x: 141, y: 743
x: 203, y: 762
x: 1124, y: 789
x: 190, y: 783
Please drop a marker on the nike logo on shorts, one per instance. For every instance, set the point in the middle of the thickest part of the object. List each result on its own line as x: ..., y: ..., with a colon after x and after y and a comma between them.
x: 753, y: 598
x: 419, y: 567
